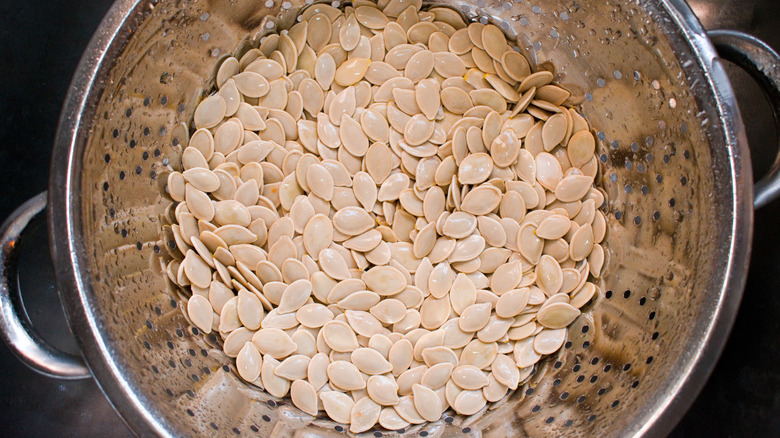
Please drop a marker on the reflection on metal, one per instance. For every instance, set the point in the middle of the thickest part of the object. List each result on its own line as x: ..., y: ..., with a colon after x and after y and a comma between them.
x: 15, y: 329
x: 763, y: 63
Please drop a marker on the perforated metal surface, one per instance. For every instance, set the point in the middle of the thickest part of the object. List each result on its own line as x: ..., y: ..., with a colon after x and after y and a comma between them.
x: 667, y: 168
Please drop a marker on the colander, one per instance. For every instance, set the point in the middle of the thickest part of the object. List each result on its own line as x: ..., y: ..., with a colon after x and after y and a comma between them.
x: 675, y: 165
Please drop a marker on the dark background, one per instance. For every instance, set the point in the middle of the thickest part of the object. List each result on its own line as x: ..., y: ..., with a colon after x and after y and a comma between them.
x: 41, y: 42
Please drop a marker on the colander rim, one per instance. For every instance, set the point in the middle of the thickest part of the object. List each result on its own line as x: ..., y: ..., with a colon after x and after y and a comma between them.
x: 69, y: 255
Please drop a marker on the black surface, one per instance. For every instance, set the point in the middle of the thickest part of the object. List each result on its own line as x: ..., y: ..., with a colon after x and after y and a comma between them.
x: 40, y: 45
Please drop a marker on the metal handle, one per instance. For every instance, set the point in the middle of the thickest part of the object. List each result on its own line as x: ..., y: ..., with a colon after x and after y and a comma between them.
x: 763, y: 64
x: 26, y: 343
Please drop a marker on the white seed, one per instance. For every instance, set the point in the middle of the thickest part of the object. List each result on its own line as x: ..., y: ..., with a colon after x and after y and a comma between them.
x: 249, y: 362
x: 364, y: 242
x: 469, y: 402
x: 573, y: 187
x: 196, y: 270
x: 304, y: 397
x: 200, y: 312
x: 475, y: 168
x: 337, y: 405
x: 316, y: 371
x: 475, y: 317
x: 383, y: 390
x: 467, y: 249
x: 505, y: 371
x: 469, y: 377
x: 333, y: 264
x: 581, y: 147
x: 407, y: 410
x: 345, y: 375
x: 505, y: 149
x: 437, y: 375
x: 385, y: 280
x: 419, y: 65
x: 495, y: 390
x: 557, y: 315
x: 339, y: 336
x: 511, y: 303
x: 293, y: 368
x: 549, y: 341
x: 370, y: 361
x: 352, y: 221
x: 389, y: 311
x: 418, y: 130
x: 364, y: 415
x: 506, y: 277
x: 391, y: 420
x: 456, y: 100
x: 427, y: 97
x: 495, y: 329
x: 274, y: 343
x: 553, y: 227
x: 349, y: 33
x: 351, y: 71
x: 275, y: 385
x: 479, y: 354
x: 548, y: 171
x: 481, y: 200
x: 362, y: 300
x: 251, y: 84
x: 250, y: 310
x: 295, y: 296
x: 549, y: 276
x: 210, y: 111
x: 426, y: 402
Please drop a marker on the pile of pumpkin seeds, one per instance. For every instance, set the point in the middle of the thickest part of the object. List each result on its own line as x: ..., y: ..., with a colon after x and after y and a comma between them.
x: 385, y: 214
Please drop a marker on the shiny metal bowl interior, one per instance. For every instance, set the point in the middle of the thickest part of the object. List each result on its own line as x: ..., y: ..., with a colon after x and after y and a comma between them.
x: 671, y: 149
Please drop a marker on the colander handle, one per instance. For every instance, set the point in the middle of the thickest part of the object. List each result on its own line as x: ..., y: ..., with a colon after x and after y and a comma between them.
x: 763, y: 64
x: 17, y: 331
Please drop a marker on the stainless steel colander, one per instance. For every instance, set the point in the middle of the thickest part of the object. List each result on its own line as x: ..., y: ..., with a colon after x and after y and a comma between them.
x: 674, y: 162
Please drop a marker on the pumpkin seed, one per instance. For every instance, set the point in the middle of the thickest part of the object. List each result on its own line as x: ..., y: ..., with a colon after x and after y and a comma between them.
x: 337, y: 405
x: 557, y: 315
x: 426, y: 402
x: 370, y: 361
x: 382, y: 390
x: 339, y: 336
x: 274, y: 343
x: 416, y: 220
x: 549, y: 341
x: 419, y: 65
x: 581, y: 148
x: 304, y: 397
x: 345, y: 375
x: 469, y: 377
x: 391, y: 420
x: 469, y: 402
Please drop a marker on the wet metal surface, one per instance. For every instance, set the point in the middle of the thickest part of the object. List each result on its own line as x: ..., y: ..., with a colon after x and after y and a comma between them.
x: 739, y: 400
